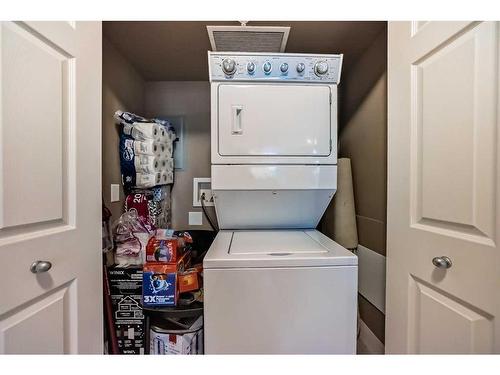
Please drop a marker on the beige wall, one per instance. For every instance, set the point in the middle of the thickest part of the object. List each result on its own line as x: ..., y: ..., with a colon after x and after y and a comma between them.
x: 122, y: 88
x: 363, y: 138
x: 191, y: 100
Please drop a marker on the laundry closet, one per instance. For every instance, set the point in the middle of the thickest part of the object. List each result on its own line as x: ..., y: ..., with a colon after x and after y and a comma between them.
x: 160, y: 70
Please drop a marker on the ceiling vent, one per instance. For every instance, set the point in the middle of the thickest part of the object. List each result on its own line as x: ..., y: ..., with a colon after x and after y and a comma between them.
x: 248, y: 38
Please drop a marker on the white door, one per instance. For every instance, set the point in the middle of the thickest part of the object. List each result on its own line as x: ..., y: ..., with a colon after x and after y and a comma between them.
x: 274, y: 120
x: 50, y: 183
x: 443, y: 188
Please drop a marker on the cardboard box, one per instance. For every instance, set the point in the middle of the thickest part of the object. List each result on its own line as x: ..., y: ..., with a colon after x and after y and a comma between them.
x: 130, y: 336
x: 188, y: 280
x: 160, y: 283
x: 162, y: 250
x: 125, y: 286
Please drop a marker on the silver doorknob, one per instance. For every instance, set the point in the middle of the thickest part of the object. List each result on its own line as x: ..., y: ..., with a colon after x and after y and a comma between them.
x: 442, y: 262
x: 40, y: 266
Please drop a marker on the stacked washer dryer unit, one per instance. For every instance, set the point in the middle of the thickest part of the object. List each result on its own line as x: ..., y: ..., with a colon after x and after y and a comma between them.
x: 274, y: 284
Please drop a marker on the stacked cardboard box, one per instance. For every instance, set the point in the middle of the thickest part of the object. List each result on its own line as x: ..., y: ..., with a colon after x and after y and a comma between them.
x: 160, y: 283
x: 126, y: 292
x: 168, y: 254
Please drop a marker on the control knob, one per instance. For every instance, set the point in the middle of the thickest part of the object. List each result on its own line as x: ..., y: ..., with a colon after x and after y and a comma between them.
x: 301, y: 67
x: 267, y: 67
x: 321, y: 68
x: 229, y: 66
x: 284, y: 68
x: 251, y: 67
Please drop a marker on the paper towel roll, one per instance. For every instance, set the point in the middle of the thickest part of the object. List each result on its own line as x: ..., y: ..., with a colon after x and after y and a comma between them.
x: 163, y: 134
x: 167, y: 178
x: 145, y: 130
x: 167, y: 164
x: 145, y: 180
x: 147, y: 164
x: 142, y: 131
x: 144, y: 147
x: 158, y: 149
x: 339, y: 221
x: 165, y: 151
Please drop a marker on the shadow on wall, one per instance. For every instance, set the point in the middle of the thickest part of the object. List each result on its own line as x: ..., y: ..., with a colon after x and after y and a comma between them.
x: 362, y: 78
x: 363, y: 139
x: 122, y: 88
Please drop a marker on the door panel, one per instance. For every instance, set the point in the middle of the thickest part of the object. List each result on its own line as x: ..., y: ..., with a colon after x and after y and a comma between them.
x: 454, y: 121
x: 443, y: 188
x: 50, y: 164
x: 36, y: 84
x: 439, y: 323
x: 255, y: 120
x: 45, y: 326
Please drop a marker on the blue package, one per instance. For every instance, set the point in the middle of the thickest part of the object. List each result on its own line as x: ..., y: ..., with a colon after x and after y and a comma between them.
x: 127, y: 161
x: 158, y: 287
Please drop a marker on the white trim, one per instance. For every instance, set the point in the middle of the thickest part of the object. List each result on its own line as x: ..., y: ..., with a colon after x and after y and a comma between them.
x: 369, y: 340
x: 371, y: 276
x: 197, y: 181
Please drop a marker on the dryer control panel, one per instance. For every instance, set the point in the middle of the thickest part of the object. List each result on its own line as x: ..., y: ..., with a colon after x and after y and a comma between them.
x: 294, y: 67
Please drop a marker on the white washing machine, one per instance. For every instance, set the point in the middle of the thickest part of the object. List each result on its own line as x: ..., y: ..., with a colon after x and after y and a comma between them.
x: 273, y: 284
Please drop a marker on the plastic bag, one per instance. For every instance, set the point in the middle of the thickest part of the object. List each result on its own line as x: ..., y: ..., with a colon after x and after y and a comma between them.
x: 131, y: 235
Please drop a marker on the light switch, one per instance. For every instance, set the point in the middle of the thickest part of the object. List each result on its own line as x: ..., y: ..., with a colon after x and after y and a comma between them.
x: 115, y: 192
x: 195, y: 218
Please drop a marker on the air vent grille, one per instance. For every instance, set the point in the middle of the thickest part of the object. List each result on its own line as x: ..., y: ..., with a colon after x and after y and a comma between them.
x: 248, y: 38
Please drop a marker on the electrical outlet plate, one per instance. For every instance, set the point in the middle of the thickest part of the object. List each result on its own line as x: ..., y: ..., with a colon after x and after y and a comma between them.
x: 200, y: 185
x: 195, y: 218
x: 209, y: 199
x: 115, y: 193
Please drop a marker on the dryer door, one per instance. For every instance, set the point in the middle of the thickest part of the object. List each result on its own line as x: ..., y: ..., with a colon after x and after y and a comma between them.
x: 274, y: 120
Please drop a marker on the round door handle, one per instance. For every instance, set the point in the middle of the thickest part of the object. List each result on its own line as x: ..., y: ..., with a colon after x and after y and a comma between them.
x: 40, y: 266
x: 442, y: 262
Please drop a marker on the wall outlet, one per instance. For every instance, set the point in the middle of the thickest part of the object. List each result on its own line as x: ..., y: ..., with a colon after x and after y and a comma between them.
x: 115, y: 192
x: 195, y: 218
x: 200, y: 185
x: 209, y: 198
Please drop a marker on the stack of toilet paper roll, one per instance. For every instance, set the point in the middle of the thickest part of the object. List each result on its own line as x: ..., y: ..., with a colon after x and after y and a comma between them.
x: 339, y: 221
x: 146, y: 151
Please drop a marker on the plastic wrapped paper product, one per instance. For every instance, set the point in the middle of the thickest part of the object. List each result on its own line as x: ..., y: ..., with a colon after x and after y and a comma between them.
x: 146, y: 150
x: 152, y: 204
x: 131, y: 236
x: 128, y: 117
x: 148, y: 164
x: 141, y: 131
x: 139, y: 167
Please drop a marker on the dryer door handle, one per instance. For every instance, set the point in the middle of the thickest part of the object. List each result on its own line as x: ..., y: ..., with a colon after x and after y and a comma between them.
x: 236, y: 125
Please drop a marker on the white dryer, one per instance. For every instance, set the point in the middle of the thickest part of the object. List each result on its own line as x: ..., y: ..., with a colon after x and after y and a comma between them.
x: 273, y: 284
